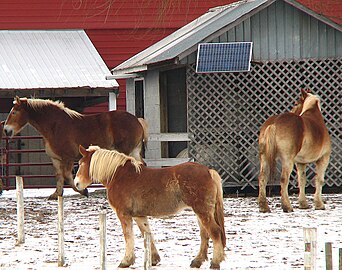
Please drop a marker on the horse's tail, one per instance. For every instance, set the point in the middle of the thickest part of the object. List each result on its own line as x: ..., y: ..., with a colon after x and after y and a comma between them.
x: 144, y: 125
x: 268, y: 150
x: 219, y: 211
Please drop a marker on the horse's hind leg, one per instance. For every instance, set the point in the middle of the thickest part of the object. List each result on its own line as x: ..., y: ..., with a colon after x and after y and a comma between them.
x: 321, y: 166
x: 127, y: 227
x: 202, y: 254
x: 207, y: 219
x: 263, y: 176
x: 286, y: 170
x: 145, y: 227
x: 301, y: 174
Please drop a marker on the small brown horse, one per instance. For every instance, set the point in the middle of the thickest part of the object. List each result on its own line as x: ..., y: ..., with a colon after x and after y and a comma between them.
x: 298, y: 137
x: 136, y: 192
x: 64, y: 130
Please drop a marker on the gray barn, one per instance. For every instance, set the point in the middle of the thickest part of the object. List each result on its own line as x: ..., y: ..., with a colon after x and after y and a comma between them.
x: 293, y: 48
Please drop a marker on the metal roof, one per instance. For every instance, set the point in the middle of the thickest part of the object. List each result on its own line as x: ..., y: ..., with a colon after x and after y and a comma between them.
x: 184, y: 41
x: 50, y: 59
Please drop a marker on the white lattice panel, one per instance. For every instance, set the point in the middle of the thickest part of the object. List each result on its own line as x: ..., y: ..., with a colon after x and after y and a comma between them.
x: 226, y: 110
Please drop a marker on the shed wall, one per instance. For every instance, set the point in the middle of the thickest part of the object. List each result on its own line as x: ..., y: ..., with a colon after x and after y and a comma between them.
x: 280, y: 32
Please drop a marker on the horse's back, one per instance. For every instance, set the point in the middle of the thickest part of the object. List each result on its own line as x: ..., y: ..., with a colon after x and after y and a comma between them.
x: 161, y: 191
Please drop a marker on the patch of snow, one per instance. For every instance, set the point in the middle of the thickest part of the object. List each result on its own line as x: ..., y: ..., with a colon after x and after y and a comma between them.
x: 254, y: 240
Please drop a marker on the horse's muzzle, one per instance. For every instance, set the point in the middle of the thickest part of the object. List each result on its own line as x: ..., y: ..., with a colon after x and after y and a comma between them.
x: 8, y: 131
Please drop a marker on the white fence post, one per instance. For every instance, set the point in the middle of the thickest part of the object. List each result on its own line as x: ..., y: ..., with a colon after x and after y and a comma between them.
x: 20, y: 210
x: 310, y: 241
x: 61, y: 259
x: 103, y: 240
x: 148, y: 253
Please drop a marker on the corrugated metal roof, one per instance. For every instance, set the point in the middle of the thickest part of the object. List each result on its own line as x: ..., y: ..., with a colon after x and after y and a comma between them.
x: 208, y: 26
x: 50, y: 59
x: 186, y: 38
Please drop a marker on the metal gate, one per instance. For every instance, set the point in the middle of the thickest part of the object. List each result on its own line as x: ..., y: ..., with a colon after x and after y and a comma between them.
x: 226, y: 110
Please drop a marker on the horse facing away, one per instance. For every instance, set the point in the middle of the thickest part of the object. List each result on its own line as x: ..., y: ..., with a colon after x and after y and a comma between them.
x: 298, y: 137
x: 136, y: 192
x: 63, y: 130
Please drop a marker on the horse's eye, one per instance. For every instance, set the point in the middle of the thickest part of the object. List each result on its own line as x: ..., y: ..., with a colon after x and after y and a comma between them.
x: 14, y: 112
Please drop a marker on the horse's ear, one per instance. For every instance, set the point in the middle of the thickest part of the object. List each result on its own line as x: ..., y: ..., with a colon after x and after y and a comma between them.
x: 304, y: 93
x: 82, y: 150
x: 17, y: 100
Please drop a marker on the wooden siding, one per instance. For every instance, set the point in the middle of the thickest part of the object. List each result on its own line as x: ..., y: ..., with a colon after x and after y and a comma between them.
x: 282, y: 32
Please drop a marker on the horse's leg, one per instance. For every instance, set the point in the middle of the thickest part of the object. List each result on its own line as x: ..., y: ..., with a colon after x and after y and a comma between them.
x: 287, y: 167
x: 203, y: 252
x: 263, y: 177
x: 127, y: 228
x: 59, y: 179
x: 321, y: 166
x: 67, y: 173
x: 144, y: 226
x: 207, y: 219
x: 301, y: 174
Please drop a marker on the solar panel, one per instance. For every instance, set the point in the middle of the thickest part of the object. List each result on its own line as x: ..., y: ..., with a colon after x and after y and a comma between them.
x: 224, y: 57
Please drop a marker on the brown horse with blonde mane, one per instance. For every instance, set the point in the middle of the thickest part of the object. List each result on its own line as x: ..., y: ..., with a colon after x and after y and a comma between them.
x: 63, y: 130
x: 298, y: 137
x: 136, y: 192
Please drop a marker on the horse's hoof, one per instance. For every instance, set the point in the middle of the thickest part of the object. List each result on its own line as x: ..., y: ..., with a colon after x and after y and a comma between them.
x: 195, y: 264
x: 85, y: 192
x: 124, y: 265
x: 264, y: 209
x: 214, y: 266
x: 304, y: 206
x: 155, y: 259
x: 287, y: 210
x: 320, y: 207
x: 53, y: 197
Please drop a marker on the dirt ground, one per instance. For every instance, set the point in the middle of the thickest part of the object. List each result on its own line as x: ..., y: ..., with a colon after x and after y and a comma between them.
x: 254, y: 240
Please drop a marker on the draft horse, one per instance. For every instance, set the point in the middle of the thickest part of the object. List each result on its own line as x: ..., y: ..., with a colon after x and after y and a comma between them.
x: 136, y: 192
x: 63, y: 130
x: 298, y: 137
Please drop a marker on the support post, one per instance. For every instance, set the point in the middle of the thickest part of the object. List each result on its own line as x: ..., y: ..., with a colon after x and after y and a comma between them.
x: 310, y: 242
x: 61, y: 259
x: 103, y: 240
x: 340, y: 258
x: 148, y: 253
x: 328, y: 256
x: 20, y: 210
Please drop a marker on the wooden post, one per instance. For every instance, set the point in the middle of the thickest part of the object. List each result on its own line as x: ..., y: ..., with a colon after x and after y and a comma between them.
x: 328, y: 256
x: 61, y: 259
x: 310, y: 241
x: 148, y: 253
x: 20, y: 210
x: 103, y: 240
x: 340, y: 258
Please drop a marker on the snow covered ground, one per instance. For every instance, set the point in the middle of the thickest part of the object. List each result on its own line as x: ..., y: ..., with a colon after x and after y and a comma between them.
x: 254, y: 240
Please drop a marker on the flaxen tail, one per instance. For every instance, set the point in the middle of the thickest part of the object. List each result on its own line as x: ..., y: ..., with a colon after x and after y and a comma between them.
x: 219, y: 210
x: 268, y: 151
x: 144, y: 125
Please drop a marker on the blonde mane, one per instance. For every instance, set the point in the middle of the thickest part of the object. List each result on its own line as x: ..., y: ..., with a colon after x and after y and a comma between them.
x: 309, y: 102
x: 104, y: 164
x: 40, y: 103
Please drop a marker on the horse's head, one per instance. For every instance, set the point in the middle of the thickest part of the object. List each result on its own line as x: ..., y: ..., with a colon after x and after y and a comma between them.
x: 17, y: 118
x: 309, y: 101
x: 298, y: 107
x: 82, y: 178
